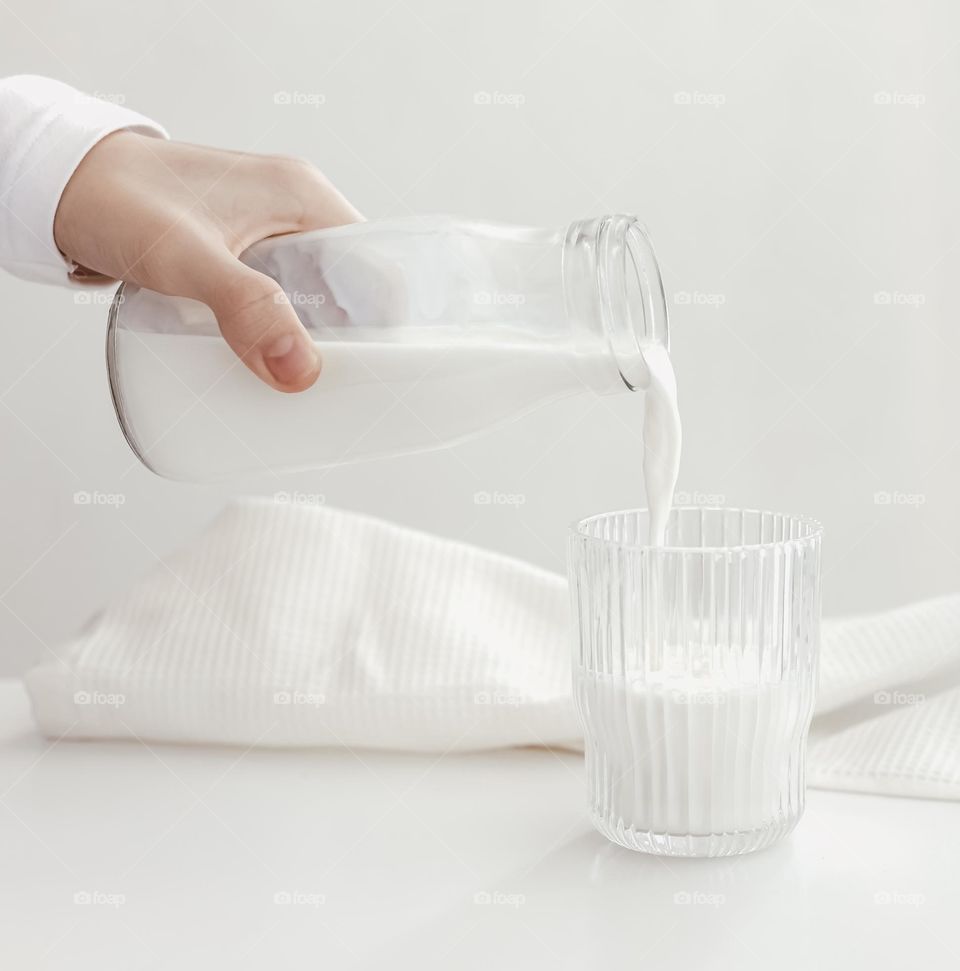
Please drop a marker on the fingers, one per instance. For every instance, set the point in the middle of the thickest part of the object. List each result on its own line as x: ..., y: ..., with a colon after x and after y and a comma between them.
x: 253, y: 313
x: 257, y: 321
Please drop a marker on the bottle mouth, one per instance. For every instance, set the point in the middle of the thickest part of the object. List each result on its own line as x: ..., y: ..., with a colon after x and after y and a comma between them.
x: 611, y: 274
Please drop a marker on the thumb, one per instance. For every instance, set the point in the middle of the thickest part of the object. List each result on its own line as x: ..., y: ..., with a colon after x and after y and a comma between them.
x: 257, y: 321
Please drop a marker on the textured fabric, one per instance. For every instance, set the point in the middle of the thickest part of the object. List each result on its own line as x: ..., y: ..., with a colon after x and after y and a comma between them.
x: 290, y: 625
x: 889, y: 703
x: 46, y: 128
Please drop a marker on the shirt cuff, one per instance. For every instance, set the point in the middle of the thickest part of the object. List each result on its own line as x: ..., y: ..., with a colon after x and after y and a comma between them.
x: 46, y: 129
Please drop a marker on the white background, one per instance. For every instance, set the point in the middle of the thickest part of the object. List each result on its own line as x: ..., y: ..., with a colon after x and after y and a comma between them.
x: 783, y: 199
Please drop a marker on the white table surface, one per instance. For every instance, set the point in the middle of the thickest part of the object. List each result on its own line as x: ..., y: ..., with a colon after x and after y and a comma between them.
x: 119, y: 855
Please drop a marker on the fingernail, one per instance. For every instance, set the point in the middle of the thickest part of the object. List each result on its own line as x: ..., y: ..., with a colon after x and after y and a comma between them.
x: 290, y: 357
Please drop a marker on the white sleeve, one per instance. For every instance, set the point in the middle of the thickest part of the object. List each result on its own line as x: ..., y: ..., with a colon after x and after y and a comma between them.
x: 46, y: 128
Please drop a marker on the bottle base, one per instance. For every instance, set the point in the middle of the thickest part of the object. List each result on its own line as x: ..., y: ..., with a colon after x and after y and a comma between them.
x: 686, y: 845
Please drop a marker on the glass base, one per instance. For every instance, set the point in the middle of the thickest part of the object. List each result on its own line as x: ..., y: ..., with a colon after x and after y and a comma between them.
x: 711, y: 844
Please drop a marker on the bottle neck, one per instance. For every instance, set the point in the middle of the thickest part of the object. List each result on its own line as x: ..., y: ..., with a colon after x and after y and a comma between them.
x: 612, y: 284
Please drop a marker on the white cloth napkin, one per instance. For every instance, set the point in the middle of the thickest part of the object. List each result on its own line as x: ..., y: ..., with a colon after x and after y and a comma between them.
x: 291, y: 625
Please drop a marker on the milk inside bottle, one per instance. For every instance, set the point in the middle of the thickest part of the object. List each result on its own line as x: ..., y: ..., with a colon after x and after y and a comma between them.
x: 430, y: 330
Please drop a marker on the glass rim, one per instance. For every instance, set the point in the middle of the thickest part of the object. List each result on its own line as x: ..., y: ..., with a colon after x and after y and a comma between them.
x: 814, y: 527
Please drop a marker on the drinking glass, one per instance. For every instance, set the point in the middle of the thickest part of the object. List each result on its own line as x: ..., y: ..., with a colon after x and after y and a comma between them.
x: 695, y: 667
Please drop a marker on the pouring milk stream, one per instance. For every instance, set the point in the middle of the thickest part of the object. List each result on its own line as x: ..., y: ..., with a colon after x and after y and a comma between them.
x: 661, y: 440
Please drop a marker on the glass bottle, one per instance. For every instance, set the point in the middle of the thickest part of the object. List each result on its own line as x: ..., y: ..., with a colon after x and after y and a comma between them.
x: 430, y: 329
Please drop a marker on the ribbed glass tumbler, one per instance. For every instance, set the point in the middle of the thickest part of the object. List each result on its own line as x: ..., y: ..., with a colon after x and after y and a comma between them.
x: 694, y: 669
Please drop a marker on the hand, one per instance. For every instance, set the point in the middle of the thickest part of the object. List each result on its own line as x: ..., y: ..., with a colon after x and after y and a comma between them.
x: 173, y: 218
